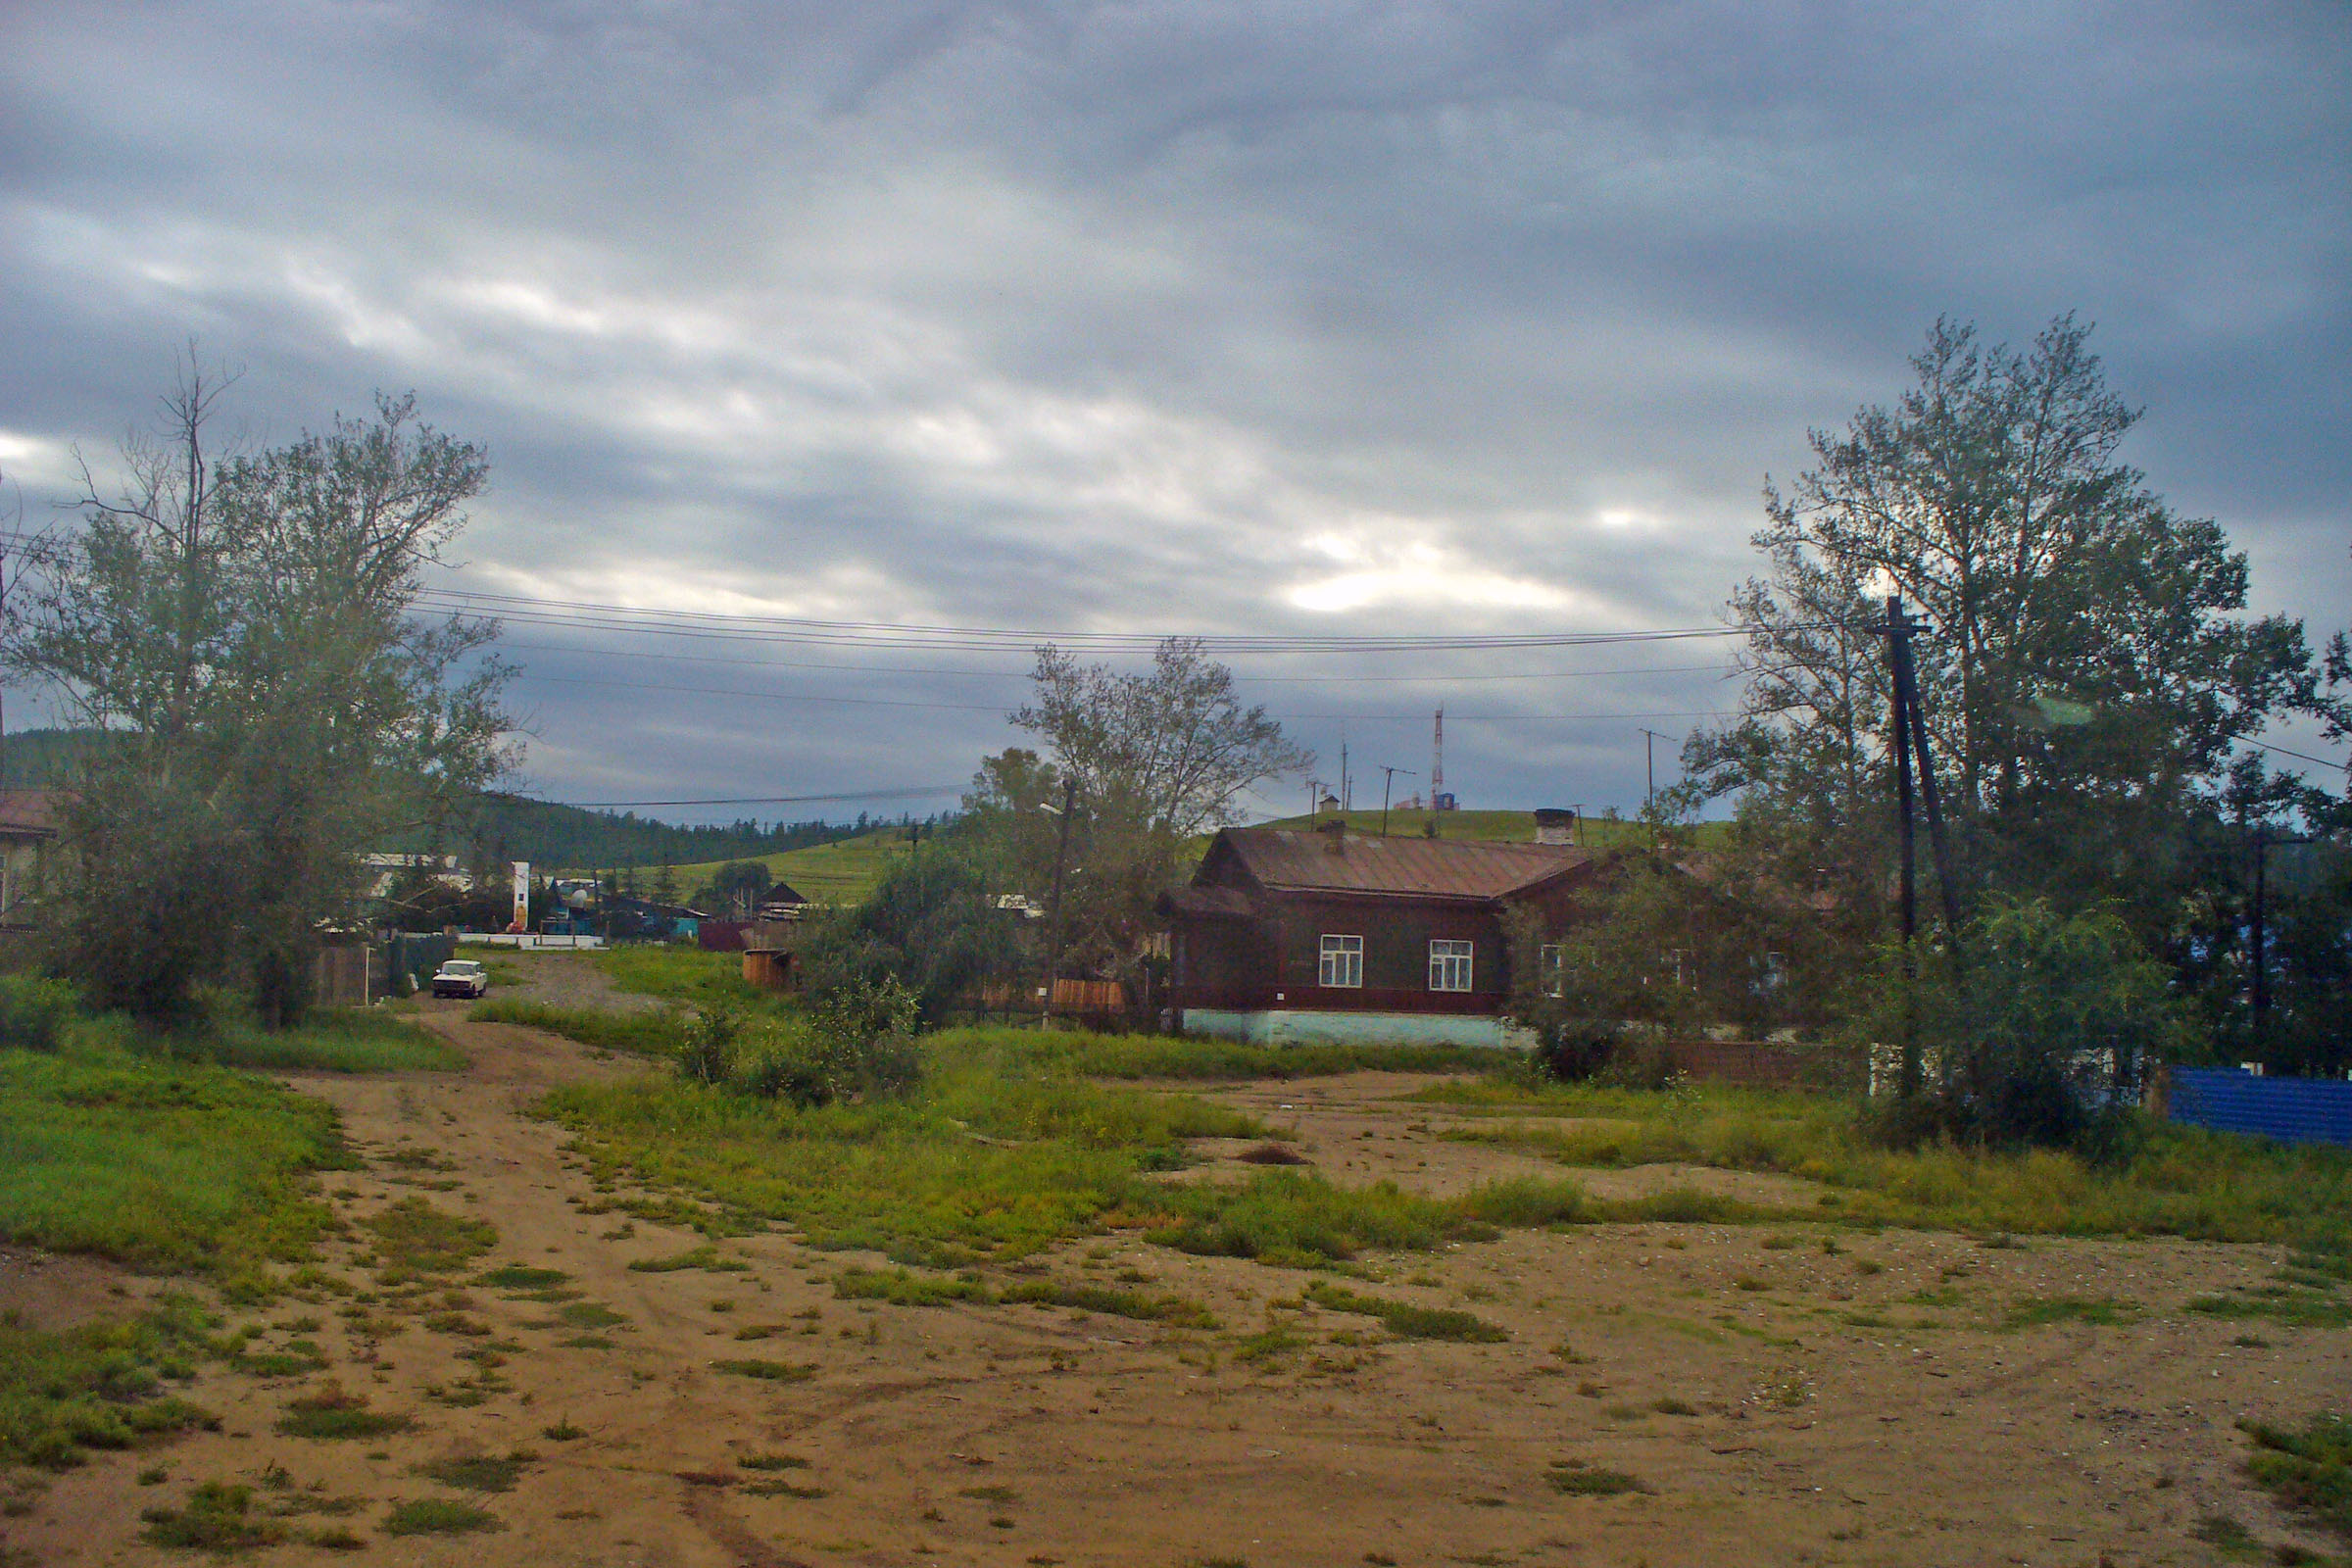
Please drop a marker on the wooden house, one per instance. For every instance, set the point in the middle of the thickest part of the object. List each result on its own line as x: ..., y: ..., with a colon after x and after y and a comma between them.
x: 1288, y: 934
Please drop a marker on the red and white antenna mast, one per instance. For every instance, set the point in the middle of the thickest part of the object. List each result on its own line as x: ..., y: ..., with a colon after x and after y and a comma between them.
x: 1437, y: 764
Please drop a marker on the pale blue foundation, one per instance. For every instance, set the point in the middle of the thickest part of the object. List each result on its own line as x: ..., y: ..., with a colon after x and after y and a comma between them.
x: 1283, y: 1027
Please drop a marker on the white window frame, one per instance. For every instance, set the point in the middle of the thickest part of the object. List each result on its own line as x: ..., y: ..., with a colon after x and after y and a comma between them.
x: 1554, y: 978
x: 1346, y: 973
x: 1452, y: 963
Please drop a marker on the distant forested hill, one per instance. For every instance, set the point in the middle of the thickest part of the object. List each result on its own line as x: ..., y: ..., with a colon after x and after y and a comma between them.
x: 497, y: 827
x: 33, y: 758
x: 507, y: 827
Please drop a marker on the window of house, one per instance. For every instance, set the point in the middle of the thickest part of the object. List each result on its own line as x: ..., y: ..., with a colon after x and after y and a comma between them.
x: 1342, y: 962
x: 1449, y: 966
x: 1554, y: 969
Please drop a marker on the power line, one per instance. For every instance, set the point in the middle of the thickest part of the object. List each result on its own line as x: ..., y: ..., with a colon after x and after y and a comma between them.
x: 1023, y: 674
x: 851, y: 633
x: 999, y: 708
x: 2300, y: 756
x: 911, y: 792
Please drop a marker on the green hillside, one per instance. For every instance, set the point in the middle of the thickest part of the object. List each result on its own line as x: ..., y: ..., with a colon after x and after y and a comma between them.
x: 841, y: 873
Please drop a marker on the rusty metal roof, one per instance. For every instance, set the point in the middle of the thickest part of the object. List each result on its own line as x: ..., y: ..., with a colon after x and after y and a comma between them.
x: 33, y: 812
x: 1396, y: 867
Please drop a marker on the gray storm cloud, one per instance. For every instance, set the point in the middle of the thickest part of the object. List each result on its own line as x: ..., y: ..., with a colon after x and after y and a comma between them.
x: 1349, y: 318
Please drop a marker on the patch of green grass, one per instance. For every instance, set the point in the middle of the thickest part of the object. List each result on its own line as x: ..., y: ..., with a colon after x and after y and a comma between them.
x: 778, y: 1486
x: 1270, y: 1345
x: 162, y: 1165
x: 437, y: 1516
x: 1668, y: 1405
x: 1111, y: 1302
x: 1578, y: 1478
x: 330, y: 1413
x: 1002, y: 1151
x: 678, y: 973
x: 1406, y: 1320
x: 706, y: 1258
x: 217, y: 1517
x: 414, y: 1240
x: 100, y: 1384
x: 771, y: 1461
x: 477, y: 1472
x: 904, y: 1287
x: 975, y: 1165
x: 767, y: 1371
x: 563, y: 1432
x: 1086, y: 1054
x: 2300, y: 1310
x: 521, y: 1277
x: 642, y: 1033
x: 2309, y: 1472
x: 2174, y: 1180
x: 2105, y: 1311
x: 329, y: 1040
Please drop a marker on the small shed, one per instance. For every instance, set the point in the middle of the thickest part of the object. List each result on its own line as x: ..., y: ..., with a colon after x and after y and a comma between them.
x: 771, y: 968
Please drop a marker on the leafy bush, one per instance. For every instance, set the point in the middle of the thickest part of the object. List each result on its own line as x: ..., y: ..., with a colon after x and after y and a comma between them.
x: 35, y: 1011
x: 707, y: 1050
x: 2040, y: 1039
x: 860, y: 1044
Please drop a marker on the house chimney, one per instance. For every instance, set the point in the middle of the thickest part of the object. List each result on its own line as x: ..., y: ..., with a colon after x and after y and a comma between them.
x: 1336, y: 830
x: 1554, y: 826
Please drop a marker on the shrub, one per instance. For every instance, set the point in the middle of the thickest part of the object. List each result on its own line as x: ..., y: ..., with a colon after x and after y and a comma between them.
x: 2040, y: 1039
x: 35, y: 1011
x: 706, y: 1051
x: 860, y: 1044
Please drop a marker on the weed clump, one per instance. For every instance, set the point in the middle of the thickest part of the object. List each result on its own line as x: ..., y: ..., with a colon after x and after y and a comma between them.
x: 217, y: 1517
x: 1406, y: 1320
x: 767, y: 1371
x: 1577, y: 1478
x: 477, y: 1472
x: 331, y: 1413
x: 437, y: 1516
x: 414, y: 1240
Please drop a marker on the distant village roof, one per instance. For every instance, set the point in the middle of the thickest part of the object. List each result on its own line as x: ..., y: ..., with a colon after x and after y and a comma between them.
x: 30, y: 813
x: 1322, y: 861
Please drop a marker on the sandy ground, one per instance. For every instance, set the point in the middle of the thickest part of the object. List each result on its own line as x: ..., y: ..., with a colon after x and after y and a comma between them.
x: 1850, y: 1407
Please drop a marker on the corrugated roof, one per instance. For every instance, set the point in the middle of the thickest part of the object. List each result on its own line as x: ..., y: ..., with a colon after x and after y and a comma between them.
x: 1399, y: 867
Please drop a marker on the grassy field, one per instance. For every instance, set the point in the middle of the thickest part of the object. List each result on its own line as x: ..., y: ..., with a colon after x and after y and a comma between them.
x: 160, y: 1164
x: 330, y: 1040
x: 1004, y: 1150
x: 99, y: 1386
x: 2176, y: 1180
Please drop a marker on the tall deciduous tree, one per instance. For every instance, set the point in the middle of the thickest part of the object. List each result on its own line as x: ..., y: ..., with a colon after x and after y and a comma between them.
x: 1156, y: 758
x: 247, y: 626
x: 2089, y: 676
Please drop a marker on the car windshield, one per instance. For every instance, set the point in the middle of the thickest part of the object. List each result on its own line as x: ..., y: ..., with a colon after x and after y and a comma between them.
x: 460, y: 967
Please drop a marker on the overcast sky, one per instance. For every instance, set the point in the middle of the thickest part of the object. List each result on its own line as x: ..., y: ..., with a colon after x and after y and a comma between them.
x: 1181, y: 317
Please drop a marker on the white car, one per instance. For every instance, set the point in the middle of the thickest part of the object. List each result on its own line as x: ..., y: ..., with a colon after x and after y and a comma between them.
x: 460, y: 977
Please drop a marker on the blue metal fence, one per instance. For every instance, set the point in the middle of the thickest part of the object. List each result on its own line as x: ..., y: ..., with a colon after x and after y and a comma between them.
x: 2293, y: 1111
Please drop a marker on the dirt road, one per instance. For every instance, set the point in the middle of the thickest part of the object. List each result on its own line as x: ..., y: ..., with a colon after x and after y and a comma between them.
x: 1760, y: 1399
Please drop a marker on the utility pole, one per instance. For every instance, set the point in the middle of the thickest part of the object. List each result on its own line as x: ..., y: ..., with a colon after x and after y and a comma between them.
x: 1649, y: 766
x: 1389, y: 778
x: 1061, y: 855
x: 1576, y: 826
x: 1346, y: 790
